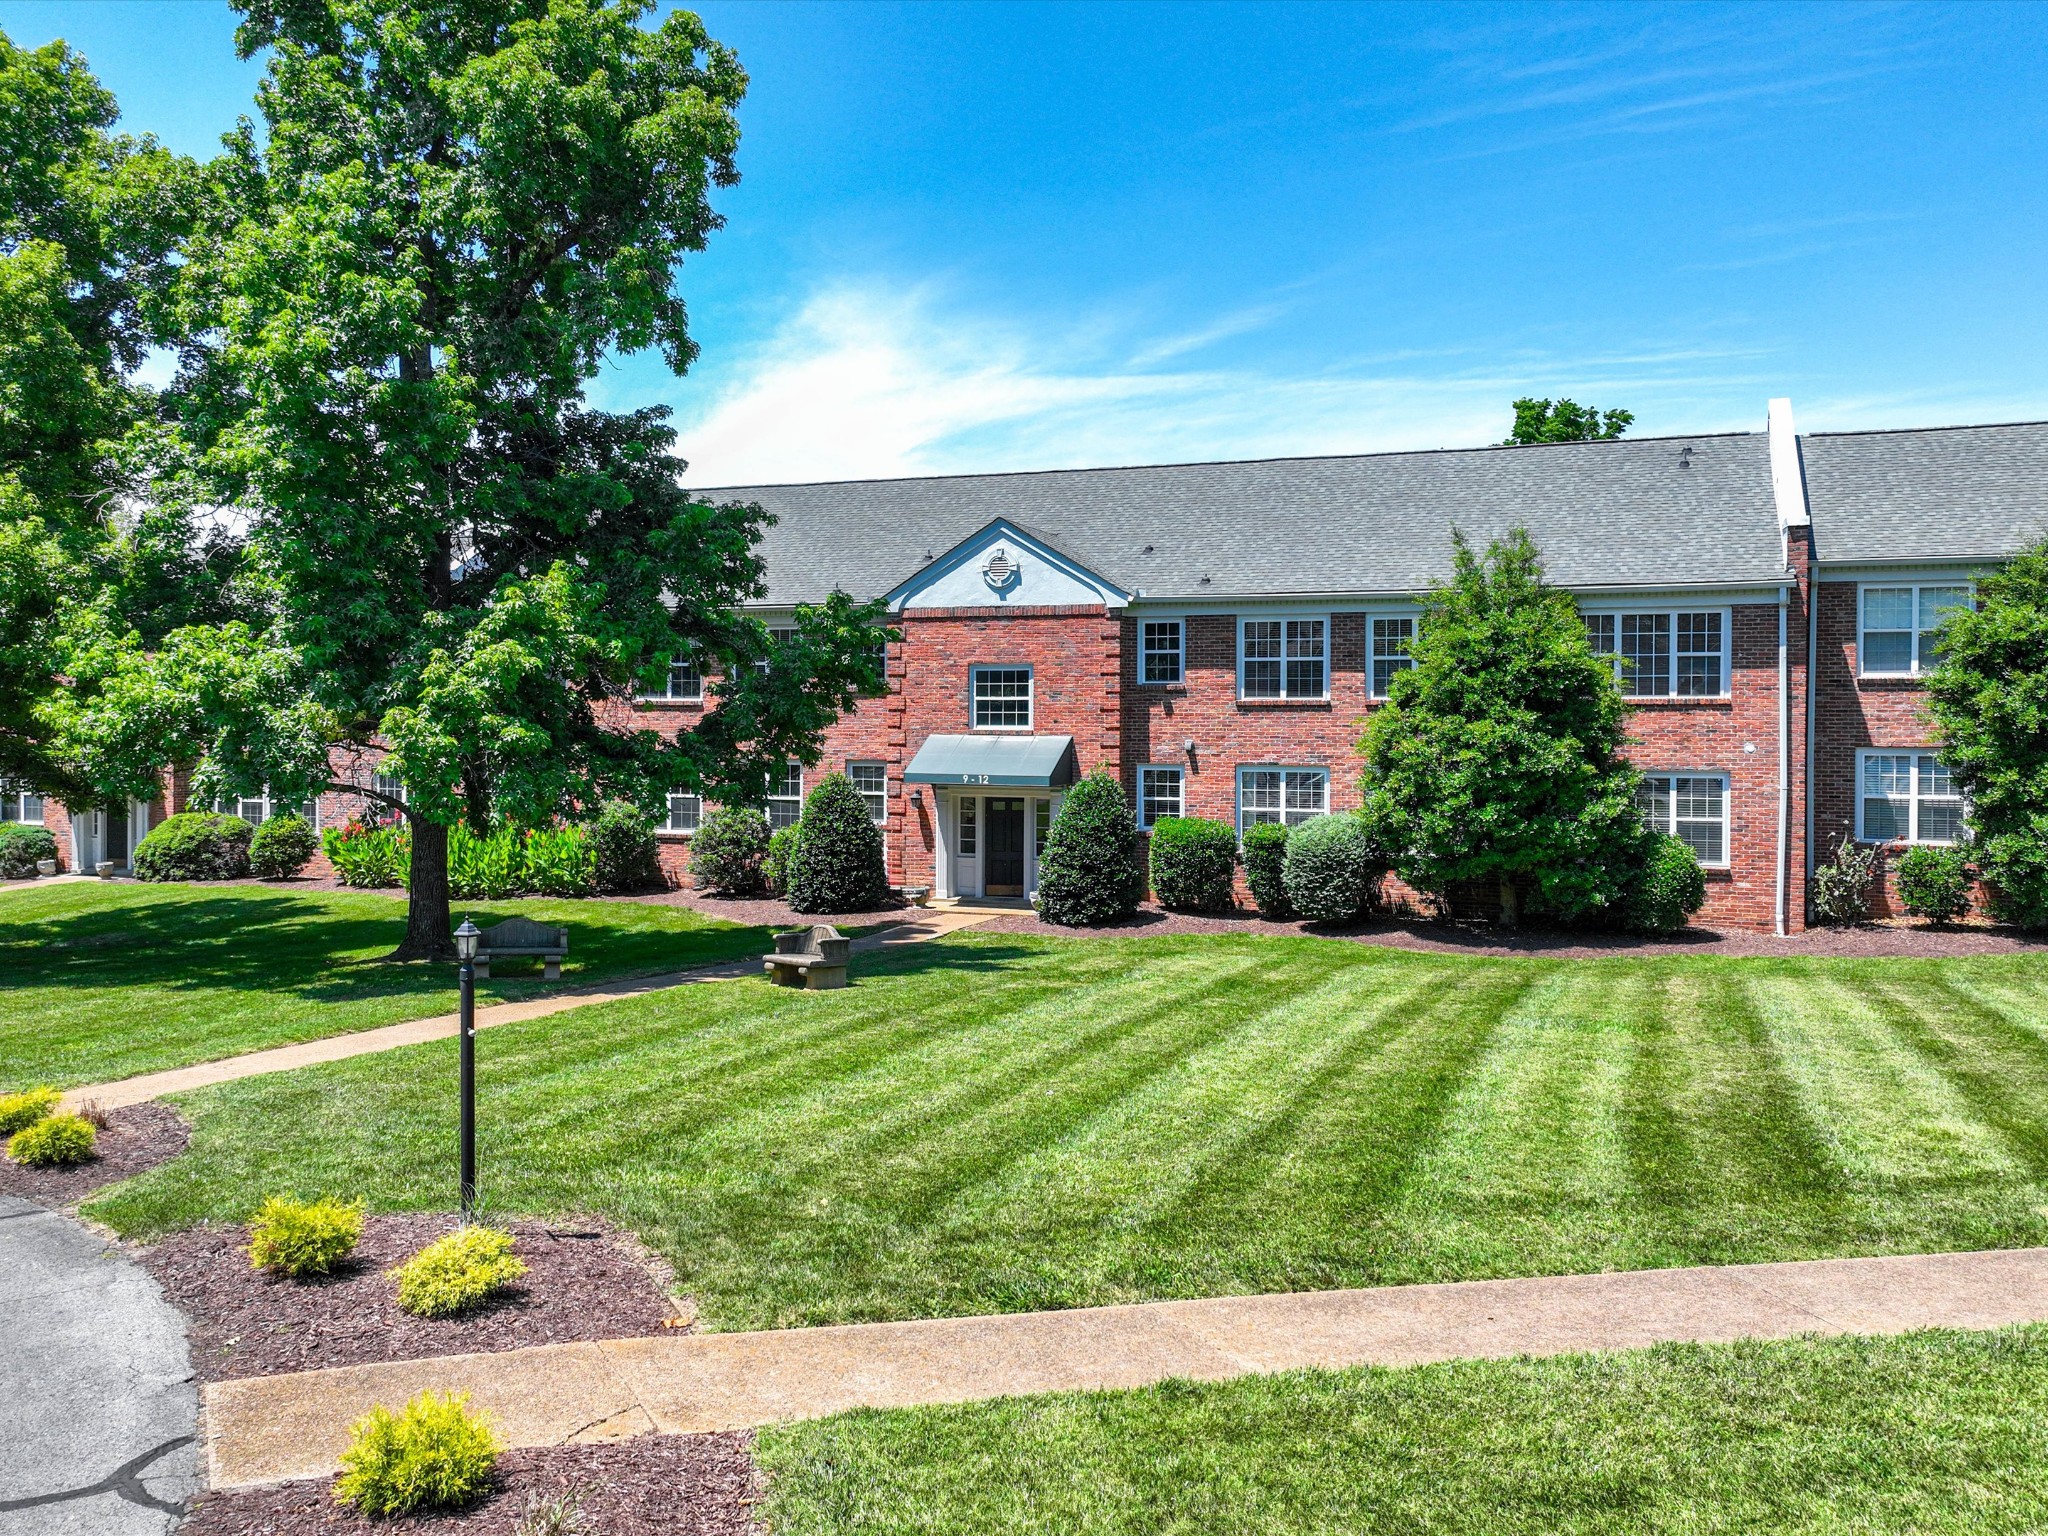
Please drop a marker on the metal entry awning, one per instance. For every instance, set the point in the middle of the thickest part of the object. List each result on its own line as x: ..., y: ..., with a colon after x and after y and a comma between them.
x: 1010, y: 762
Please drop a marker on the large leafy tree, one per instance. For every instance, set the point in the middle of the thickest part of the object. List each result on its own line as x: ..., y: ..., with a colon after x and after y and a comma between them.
x: 1565, y: 421
x: 460, y: 209
x: 1497, y: 757
x: 1989, y: 699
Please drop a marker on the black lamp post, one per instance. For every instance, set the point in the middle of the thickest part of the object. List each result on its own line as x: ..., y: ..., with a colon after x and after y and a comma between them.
x: 466, y: 940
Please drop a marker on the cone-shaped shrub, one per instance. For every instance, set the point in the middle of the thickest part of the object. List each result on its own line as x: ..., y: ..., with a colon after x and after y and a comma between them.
x: 1089, y: 872
x: 1332, y: 869
x: 838, y: 865
x: 1194, y: 864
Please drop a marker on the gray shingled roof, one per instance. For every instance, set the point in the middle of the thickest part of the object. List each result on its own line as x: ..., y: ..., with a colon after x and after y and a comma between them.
x: 1929, y: 494
x: 1624, y: 513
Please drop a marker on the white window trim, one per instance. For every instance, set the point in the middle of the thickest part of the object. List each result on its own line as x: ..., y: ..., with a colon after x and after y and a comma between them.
x: 665, y: 830
x: 1283, y: 769
x: 18, y: 792
x: 769, y: 801
x: 271, y: 807
x: 1387, y: 613
x: 1144, y: 768
x: 1916, y: 587
x: 673, y: 698
x: 1180, y: 650
x: 1030, y: 694
x: 1727, y: 859
x: 1618, y: 610
x: 1913, y: 839
x: 1284, y: 697
x: 871, y: 762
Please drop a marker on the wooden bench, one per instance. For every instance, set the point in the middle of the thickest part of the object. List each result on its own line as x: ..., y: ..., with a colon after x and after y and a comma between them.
x: 523, y: 936
x: 813, y: 958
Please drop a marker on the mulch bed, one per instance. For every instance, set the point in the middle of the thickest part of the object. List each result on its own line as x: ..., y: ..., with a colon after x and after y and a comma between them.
x: 657, y: 1485
x: 136, y: 1139
x: 583, y: 1281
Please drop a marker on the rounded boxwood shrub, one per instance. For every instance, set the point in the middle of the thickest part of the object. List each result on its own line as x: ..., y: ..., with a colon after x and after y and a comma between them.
x: 304, y: 1237
x: 1089, y: 872
x: 434, y: 1455
x: 623, y: 846
x: 22, y: 847
x: 1934, y: 883
x: 839, y: 865
x: 1332, y: 869
x: 55, y: 1141
x: 1265, y: 863
x: 1666, y: 891
x: 20, y: 1110
x: 780, y: 860
x: 456, y: 1272
x: 728, y: 849
x: 195, y: 845
x: 281, y: 847
x: 1194, y: 864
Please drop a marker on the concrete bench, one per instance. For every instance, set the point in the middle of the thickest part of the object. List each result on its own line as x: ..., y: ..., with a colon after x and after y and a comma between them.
x: 523, y: 936
x: 813, y: 958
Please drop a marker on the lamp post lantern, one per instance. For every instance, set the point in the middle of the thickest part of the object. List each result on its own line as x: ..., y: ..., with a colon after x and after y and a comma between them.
x: 466, y: 940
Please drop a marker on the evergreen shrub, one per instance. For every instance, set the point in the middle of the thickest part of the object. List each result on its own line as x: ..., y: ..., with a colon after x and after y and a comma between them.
x: 780, y: 861
x: 1090, y: 872
x: 195, y: 845
x: 623, y: 845
x: 1194, y: 864
x: 300, y: 1238
x: 1934, y: 883
x: 281, y: 847
x: 1265, y: 860
x: 1332, y: 869
x: 456, y: 1272
x: 22, y: 847
x: 839, y: 866
x: 55, y: 1141
x: 1840, y: 894
x: 433, y: 1455
x: 20, y: 1110
x: 727, y: 852
x: 1667, y: 890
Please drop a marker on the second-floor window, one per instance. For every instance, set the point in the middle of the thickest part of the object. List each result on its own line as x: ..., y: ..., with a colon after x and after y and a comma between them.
x: 683, y: 681
x: 1002, y: 698
x: 1393, y: 646
x: 1664, y: 655
x: 786, y: 796
x: 1283, y: 658
x: 1899, y: 627
x: 1160, y: 643
x: 872, y: 780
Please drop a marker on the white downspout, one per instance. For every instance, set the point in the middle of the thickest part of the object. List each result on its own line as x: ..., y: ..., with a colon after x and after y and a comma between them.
x: 1788, y: 491
x: 1784, y: 767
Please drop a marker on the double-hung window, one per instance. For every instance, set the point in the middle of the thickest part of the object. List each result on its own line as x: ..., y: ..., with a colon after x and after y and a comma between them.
x: 1692, y: 807
x: 684, y: 812
x: 779, y: 636
x: 1283, y: 658
x: 1665, y: 655
x: 872, y: 780
x: 1906, y: 797
x: 1159, y: 793
x: 1162, y: 650
x: 1899, y: 626
x: 1392, y: 644
x: 1288, y: 796
x: 20, y: 803
x: 257, y: 809
x: 683, y: 683
x: 1002, y: 698
x: 786, y: 796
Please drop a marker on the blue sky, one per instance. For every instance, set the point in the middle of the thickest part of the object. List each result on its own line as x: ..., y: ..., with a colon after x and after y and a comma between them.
x: 1000, y: 236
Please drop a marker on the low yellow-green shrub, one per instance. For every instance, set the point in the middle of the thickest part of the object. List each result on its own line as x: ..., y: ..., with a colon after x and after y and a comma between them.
x: 55, y: 1141
x: 456, y: 1272
x: 18, y: 1111
x: 434, y: 1455
x: 299, y: 1238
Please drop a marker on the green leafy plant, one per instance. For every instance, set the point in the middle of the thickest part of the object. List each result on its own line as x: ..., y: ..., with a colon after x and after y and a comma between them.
x: 366, y: 856
x: 435, y: 1454
x: 300, y: 1238
x: 55, y: 1141
x: 196, y: 845
x: 839, y: 866
x: 457, y: 1272
x: 780, y: 860
x: 1332, y: 868
x: 1840, y: 893
x: 1265, y: 860
x: 1565, y: 421
x: 1194, y: 864
x: 281, y: 847
x: 1090, y: 872
x: 624, y: 853
x: 18, y: 1110
x: 487, y: 868
x: 1667, y: 890
x: 22, y: 848
x: 1934, y: 883
x: 558, y: 861
x: 728, y: 851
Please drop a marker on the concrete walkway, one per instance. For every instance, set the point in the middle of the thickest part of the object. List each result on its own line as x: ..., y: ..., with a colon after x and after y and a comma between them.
x: 917, y: 929
x: 98, y: 1413
x: 277, y: 1428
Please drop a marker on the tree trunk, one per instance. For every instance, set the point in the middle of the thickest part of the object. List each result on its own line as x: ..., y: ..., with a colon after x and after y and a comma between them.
x: 428, y: 935
x: 1510, y: 902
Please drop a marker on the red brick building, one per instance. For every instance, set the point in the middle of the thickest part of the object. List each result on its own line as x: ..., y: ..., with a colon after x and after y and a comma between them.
x: 1217, y: 635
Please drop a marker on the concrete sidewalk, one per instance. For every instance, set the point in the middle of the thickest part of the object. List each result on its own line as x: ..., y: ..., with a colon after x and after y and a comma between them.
x: 919, y: 928
x: 272, y: 1429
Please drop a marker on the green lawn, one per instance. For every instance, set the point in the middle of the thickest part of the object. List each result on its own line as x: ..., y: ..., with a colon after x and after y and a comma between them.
x: 103, y: 981
x: 1929, y: 1433
x: 999, y: 1123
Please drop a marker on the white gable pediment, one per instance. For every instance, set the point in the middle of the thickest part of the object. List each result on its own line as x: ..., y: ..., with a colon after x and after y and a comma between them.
x: 1002, y: 566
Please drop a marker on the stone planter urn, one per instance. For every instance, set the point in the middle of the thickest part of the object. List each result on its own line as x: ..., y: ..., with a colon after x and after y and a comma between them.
x: 46, y: 866
x: 106, y: 869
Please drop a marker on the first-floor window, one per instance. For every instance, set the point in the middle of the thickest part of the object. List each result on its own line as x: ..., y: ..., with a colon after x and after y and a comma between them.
x: 20, y: 803
x: 257, y: 809
x: 786, y: 796
x: 1159, y: 794
x: 684, y: 812
x: 1393, y: 645
x: 1906, y: 797
x: 968, y: 807
x: 1901, y: 625
x: 1692, y: 807
x: 872, y: 780
x: 1289, y: 796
